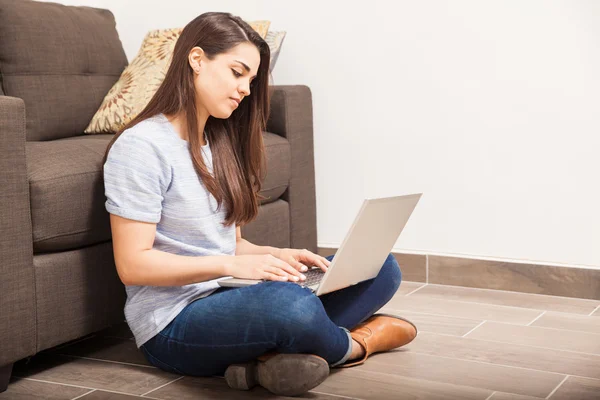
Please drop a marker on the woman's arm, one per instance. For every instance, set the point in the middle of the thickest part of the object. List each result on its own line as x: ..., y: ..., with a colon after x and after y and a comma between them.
x: 244, y: 247
x: 139, y: 264
x: 158, y: 268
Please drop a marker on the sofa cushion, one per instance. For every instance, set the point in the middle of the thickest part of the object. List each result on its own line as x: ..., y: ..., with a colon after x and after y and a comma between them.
x: 275, y: 40
x: 61, y: 60
x: 67, y: 189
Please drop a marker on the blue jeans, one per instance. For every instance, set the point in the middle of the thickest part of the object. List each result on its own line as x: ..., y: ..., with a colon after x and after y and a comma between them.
x: 236, y: 325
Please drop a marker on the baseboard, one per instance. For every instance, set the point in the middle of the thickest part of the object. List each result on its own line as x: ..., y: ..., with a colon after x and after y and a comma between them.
x: 583, y: 283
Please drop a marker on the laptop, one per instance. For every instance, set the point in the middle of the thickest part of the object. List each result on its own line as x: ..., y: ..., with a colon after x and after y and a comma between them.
x: 365, y: 248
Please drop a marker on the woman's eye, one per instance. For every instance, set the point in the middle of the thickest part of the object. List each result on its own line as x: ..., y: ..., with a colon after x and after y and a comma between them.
x: 237, y: 74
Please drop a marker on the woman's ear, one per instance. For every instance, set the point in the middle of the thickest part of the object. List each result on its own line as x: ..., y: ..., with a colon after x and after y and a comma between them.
x: 195, y: 57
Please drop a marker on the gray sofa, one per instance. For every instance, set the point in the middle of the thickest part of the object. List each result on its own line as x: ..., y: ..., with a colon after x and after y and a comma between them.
x: 58, y: 279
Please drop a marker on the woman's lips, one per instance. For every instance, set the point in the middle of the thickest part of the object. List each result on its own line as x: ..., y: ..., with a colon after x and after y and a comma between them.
x: 235, y: 103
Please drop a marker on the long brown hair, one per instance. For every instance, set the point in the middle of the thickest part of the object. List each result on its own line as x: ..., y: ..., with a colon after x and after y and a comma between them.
x: 236, y: 142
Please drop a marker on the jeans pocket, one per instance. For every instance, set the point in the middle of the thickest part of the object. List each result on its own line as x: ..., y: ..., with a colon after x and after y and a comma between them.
x: 158, y: 363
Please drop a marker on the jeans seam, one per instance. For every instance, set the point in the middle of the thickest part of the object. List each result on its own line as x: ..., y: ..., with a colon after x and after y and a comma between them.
x: 213, y: 345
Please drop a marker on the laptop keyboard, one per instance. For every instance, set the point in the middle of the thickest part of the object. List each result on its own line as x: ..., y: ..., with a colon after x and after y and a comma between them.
x: 313, y: 276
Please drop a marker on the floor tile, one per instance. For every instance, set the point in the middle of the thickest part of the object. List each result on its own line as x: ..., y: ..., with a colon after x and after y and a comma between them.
x: 467, y: 348
x: 505, y: 298
x: 511, y: 396
x: 408, y: 287
x: 554, y: 339
x: 356, y: 382
x: 25, y: 389
x: 105, y: 348
x: 459, y: 309
x: 193, y: 388
x: 568, y: 322
x: 436, y: 323
x: 464, y: 372
x: 104, y: 395
x: 578, y: 388
x: 125, y: 378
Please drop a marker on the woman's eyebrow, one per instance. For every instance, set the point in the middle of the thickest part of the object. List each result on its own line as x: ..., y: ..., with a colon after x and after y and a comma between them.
x: 247, y: 68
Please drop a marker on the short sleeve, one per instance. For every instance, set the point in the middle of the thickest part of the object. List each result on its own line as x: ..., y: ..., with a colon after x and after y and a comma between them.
x: 136, y: 176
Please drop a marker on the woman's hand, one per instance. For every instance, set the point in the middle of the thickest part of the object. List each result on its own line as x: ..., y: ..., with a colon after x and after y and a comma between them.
x: 299, y: 259
x: 262, y: 266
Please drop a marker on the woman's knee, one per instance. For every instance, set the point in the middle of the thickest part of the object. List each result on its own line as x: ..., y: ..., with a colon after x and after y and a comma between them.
x: 392, y: 271
x: 294, y: 300
x: 295, y: 307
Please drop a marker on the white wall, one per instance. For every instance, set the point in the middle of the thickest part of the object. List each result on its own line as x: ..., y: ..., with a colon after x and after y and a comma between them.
x: 491, y: 109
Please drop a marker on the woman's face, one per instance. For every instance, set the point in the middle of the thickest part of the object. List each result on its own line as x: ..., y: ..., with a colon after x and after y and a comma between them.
x: 222, y: 81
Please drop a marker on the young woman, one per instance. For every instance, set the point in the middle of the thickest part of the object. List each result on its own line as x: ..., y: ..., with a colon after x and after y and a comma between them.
x: 180, y: 179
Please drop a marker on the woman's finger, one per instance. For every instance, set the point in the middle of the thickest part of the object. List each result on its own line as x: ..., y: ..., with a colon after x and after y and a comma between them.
x: 297, y: 264
x: 301, y: 267
x: 274, y: 277
x: 288, y: 268
x: 321, y: 265
x: 317, y: 260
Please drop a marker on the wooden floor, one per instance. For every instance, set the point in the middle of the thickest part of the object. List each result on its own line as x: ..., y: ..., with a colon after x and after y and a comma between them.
x: 472, y: 344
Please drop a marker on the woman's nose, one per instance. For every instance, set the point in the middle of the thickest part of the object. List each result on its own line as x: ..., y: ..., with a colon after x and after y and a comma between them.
x: 244, y: 90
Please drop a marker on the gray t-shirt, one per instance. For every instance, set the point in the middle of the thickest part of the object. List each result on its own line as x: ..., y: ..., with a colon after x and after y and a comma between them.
x: 149, y: 176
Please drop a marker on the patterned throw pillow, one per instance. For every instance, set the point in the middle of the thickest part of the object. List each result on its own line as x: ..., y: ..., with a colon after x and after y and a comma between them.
x: 141, y: 78
x: 274, y: 40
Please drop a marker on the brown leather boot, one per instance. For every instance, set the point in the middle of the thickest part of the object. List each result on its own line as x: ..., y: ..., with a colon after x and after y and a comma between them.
x: 381, y: 332
x: 281, y: 374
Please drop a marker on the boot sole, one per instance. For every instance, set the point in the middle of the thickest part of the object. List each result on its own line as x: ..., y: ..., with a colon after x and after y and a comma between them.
x: 283, y: 374
x: 241, y: 376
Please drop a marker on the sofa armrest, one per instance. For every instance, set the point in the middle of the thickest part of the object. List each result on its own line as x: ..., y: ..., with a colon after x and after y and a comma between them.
x: 292, y: 118
x: 17, y: 285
